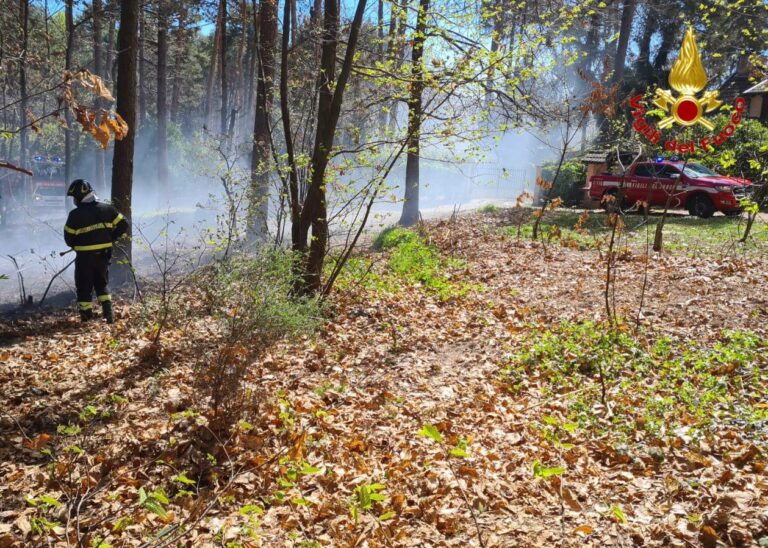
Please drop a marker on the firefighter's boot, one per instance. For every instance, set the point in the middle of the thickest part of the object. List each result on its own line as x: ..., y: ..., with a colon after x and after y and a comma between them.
x: 86, y: 314
x: 106, y: 310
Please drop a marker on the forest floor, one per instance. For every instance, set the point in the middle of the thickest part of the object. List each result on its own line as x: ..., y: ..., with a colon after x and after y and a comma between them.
x: 465, y: 389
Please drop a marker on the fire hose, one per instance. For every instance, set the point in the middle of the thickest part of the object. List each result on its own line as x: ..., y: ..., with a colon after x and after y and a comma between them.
x: 60, y: 272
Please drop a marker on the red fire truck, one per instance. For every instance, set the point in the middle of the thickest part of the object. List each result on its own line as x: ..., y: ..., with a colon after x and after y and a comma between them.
x: 690, y: 186
x: 48, y: 189
x: 39, y: 192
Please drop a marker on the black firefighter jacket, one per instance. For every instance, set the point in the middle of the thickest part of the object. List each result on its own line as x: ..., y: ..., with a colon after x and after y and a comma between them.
x: 94, y: 226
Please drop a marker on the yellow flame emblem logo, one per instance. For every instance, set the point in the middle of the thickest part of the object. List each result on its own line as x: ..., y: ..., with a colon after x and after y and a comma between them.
x: 687, y: 78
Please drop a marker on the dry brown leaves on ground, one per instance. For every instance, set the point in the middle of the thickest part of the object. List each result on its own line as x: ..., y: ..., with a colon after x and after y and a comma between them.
x: 390, y: 427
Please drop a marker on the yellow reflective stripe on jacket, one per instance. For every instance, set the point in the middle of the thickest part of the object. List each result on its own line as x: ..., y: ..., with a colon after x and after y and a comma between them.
x: 85, y: 229
x: 92, y: 247
x: 97, y: 226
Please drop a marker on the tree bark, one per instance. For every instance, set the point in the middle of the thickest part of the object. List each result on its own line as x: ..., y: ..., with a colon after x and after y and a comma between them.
x: 162, y: 103
x: 253, y: 40
x: 627, y: 15
x: 142, y: 71
x: 410, y: 214
x: 24, y: 14
x: 259, y: 198
x: 70, y: 30
x: 668, y: 33
x: 285, y: 115
x: 98, y: 68
x: 314, y: 211
x: 122, y: 162
x: 178, y: 56
x: 111, y: 51
x: 397, y: 45
x: 212, y: 71
x: 644, y: 46
x: 223, y: 67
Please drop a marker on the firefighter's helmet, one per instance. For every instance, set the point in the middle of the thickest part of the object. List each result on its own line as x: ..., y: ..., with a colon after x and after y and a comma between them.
x: 79, y: 189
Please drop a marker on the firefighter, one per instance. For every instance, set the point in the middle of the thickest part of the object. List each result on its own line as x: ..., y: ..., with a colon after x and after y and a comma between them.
x: 91, y: 229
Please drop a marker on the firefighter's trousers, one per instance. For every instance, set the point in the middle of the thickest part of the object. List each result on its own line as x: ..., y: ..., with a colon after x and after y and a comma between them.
x: 92, y: 272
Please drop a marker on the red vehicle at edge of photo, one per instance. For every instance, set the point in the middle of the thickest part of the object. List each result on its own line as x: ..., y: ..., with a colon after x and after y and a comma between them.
x: 42, y: 194
x: 692, y: 186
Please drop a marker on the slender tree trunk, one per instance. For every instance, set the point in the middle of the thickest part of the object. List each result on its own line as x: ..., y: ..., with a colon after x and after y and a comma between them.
x: 98, y: 68
x: 314, y: 211
x: 668, y: 33
x: 70, y: 29
x: 162, y: 103
x: 142, y: 72
x: 252, y: 63
x: 24, y: 14
x: 410, y: 214
x: 122, y: 161
x: 209, y: 95
x: 315, y: 12
x: 644, y: 47
x: 223, y: 67
x: 259, y: 199
x: 627, y: 15
x: 380, y: 29
x: 285, y: 115
x: 111, y: 52
x: 239, y: 91
x: 398, y: 52
x: 178, y: 56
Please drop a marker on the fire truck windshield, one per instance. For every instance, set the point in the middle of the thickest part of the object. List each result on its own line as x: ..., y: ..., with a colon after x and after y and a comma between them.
x: 697, y: 171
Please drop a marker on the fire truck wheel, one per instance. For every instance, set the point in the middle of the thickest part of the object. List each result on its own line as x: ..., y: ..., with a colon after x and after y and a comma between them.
x: 701, y: 206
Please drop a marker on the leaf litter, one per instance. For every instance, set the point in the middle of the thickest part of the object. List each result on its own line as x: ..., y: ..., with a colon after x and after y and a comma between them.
x: 395, y: 423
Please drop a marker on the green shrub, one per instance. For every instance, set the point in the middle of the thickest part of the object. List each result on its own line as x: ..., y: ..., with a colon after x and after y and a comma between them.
x: 392, y: 237
x: 570, y: 180
x: 655, y: 384
x: 489, y: 209
x: 413, y: 261
x: 258, y: 291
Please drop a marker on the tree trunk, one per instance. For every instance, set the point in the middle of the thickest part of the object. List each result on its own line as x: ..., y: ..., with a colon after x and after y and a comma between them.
x: 314, y: 210
x: 314, y: 13
x: 122, y: 161
x: 24, y: 14
x: 111, y: 52
x: 644, y: 47
x: 410, y: 214
x: 98, y: 68
x: 142, y: 72
x: 223, y: 67
x: 70, y: 30
x: 627, y: 15
x: 252, y: 59
x: 212, y: 71
x: 668, y: 33
x: 398, y: 51
x: 162, y: 103
x: 178, y: 56
x: 259, y: 199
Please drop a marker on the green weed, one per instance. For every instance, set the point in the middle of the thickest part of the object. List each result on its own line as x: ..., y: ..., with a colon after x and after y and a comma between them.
x: 655, y: 385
